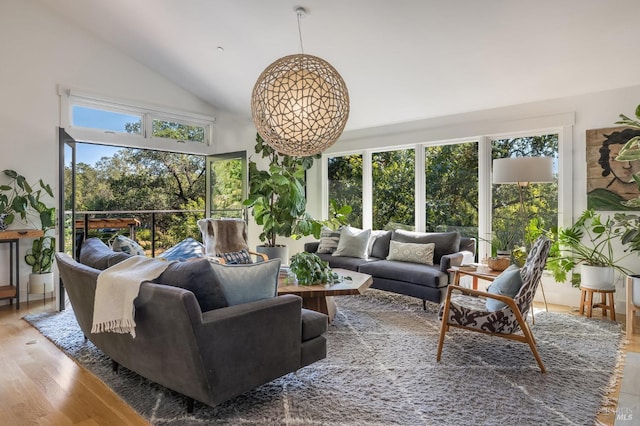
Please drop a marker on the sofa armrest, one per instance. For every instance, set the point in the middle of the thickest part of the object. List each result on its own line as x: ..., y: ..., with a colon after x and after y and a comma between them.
x: 244, y: 346
x: 311, y: 247
x: 455, y: 259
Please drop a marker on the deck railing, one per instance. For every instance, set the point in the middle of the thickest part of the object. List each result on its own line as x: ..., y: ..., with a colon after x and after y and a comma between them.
x: 152, y: 229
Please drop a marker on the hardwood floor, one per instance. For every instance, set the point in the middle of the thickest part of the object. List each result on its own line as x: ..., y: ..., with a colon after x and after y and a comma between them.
x: 41, y: 385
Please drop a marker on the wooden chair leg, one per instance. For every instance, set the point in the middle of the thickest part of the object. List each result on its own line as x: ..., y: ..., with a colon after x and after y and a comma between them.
x: 444, y: 327
x: 529, y: 338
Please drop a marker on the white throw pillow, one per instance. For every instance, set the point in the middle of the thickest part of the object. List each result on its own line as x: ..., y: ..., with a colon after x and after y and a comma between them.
x: 353, y: 242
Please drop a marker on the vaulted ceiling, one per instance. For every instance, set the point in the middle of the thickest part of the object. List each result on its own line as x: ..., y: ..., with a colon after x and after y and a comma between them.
x: 402, y: 60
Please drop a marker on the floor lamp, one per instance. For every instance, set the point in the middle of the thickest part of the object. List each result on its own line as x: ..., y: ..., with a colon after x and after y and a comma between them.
x: 523, y: 171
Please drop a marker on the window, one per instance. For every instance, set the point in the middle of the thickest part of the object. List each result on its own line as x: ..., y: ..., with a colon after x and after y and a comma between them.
x: 89, y: 117
x: 451, y: 188
x: 177, y: 131
x: 345, y: 184
x: 103, y: 119
x: 509, y: 226
x: 393, y: 176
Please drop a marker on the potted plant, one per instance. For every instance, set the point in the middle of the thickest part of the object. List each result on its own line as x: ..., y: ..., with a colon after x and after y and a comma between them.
x: 40, y: 255
x: 310, y: 269
x: 277, y: 197
x: 20, y: 197
x: 14, y: 198
x: 588, y: 243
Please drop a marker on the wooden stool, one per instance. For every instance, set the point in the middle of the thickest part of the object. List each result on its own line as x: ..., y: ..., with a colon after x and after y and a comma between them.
x: 586, y: 300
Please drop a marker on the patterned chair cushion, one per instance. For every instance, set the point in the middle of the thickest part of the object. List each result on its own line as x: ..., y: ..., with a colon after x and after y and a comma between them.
x: 470, y: 311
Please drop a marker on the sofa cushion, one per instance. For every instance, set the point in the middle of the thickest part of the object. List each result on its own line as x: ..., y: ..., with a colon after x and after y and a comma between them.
x: 508, y: 283
x: 314, y: 324
x: 328, y: 240
x: 446, y: 242
x: 248, y: 283
x: 195, y: 275
x: 353, y: 242
x: 414, y: 273
x: 185, y: 249
x: 410, y: 252
x: 350, y: 263
x: 98, y: 255
x: 380, y: 244
x: 127, y: 245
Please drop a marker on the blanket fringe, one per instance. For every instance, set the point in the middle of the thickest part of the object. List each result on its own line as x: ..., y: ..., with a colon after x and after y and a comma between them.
x: 122, y: 326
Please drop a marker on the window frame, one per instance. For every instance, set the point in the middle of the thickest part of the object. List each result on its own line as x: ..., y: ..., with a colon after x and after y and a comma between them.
x: 565, y: 173
x: 71, y: 97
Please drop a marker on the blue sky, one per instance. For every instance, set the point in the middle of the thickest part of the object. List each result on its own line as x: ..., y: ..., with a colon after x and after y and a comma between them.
x: 99, y: 119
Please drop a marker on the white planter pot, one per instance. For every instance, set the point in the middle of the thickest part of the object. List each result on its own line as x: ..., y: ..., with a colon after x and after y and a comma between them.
x: 635, y: 292
x: 41, y: 283
x: 597, y: 277
x: 278, y: 252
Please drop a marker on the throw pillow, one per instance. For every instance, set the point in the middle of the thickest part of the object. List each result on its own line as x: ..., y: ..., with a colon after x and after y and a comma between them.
x: 127, y: 245
x: 241, y: 257
x: 196, y: 276
x: 185, y: 249
x: 247, y: 283
x: 410, y: 252
x: 508, y: 283
x: 379, y: 244
x: 446, y: 242
x: 353, y: 242
x: 328, y: 240
x: 96, y: 254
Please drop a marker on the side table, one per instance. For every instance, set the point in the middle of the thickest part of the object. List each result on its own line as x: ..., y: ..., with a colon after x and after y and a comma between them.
x: 586, y: 301
x: 13, y: 237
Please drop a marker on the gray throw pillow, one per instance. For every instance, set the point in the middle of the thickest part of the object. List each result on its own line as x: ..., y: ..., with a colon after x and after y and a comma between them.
x: 96, y: 254
x: 380, y: 244
x: 247, y: 283
x: 446, y: 242
x: 195, y: 275
x: 508, y: 283
x: 328, y: 240
x: 353, y: 243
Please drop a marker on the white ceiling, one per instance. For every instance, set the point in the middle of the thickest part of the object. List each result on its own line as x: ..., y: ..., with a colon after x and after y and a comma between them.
x: 402, y: 60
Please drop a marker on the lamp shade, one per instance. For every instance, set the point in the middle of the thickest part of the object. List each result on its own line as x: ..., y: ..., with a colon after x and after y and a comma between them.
x: 523, y: 170
x: 300, y: 105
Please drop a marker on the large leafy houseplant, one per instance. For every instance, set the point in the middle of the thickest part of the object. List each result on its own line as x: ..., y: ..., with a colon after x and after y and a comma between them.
x: 589, y: 241
x: 14, y: 196
x: 20, y: 197
x: 277, y: 196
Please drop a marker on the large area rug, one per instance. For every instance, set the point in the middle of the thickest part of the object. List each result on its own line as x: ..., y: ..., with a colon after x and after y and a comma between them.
x: 381, y: 369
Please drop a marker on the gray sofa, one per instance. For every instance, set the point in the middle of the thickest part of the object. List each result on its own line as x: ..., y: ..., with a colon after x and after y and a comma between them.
x: 419, y: 280
x: 207, y: 355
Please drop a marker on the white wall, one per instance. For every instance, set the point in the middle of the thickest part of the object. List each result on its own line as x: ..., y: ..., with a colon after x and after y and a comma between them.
x: 39, y: 51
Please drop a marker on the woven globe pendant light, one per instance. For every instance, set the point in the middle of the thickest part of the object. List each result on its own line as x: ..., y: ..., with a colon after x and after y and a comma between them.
x: 300, y: 104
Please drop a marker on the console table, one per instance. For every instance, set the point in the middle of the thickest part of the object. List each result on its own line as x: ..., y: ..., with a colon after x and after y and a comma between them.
x: 13, y: 237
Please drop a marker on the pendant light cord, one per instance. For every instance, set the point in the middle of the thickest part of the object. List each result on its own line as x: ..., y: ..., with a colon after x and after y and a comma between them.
x: 300, y: 32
